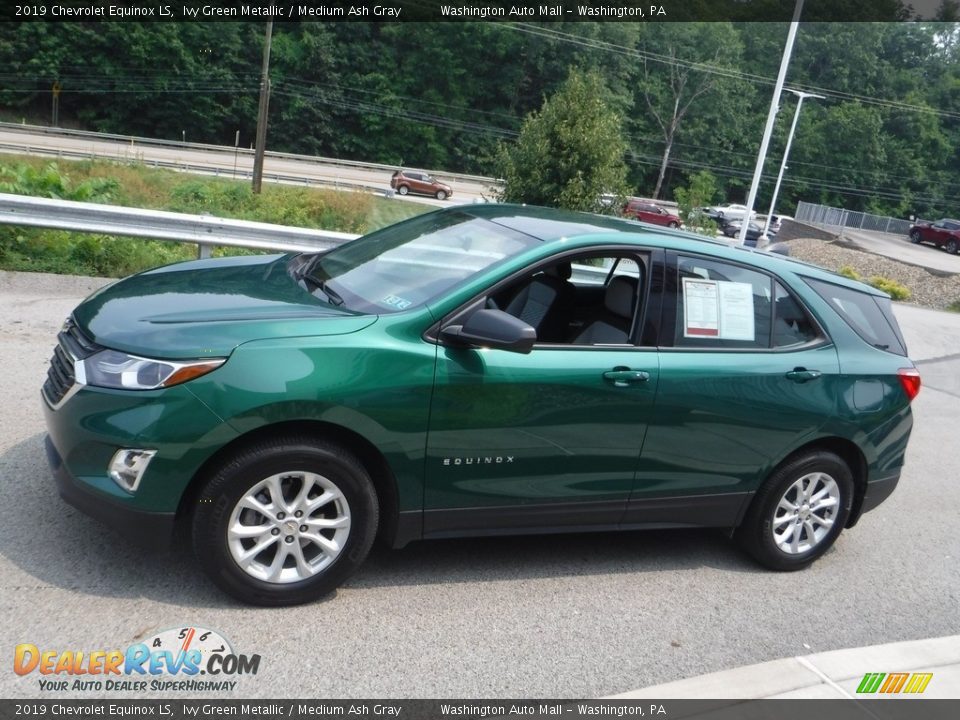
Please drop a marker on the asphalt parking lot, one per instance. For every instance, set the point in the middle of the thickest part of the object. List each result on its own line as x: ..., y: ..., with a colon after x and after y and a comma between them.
x: 562, y: 616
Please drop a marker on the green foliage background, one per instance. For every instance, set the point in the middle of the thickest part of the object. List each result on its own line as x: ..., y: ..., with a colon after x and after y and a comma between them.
x: 39, y: 250
x: 445, y: 95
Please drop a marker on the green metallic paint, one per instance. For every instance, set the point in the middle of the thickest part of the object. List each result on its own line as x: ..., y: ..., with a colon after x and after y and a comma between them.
x: 724, y: 419
x: 705, y: 421
x: 561, y: 431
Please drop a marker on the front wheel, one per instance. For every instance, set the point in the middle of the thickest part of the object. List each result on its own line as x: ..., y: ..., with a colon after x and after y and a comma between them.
x: 951, y: 246
x: 915, y: 236
x: 673, y: 225
x: 799, y: 512
x: 285, y: 521
x: 441, y: 195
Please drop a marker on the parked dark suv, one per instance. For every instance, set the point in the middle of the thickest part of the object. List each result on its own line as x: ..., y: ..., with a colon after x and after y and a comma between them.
x: 419, y: 183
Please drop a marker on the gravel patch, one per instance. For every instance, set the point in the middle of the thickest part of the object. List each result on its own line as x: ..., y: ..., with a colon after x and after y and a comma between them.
x: 927, y: 289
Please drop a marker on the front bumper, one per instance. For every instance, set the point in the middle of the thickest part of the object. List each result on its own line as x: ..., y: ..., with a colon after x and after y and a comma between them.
x: 150, y: 530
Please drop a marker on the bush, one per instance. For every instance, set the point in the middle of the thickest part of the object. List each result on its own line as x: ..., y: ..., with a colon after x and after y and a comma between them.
x: 896, y: 290
x: 848, y: 272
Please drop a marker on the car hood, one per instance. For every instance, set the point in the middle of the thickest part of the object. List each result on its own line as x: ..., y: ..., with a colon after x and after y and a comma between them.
x: 206, y: 308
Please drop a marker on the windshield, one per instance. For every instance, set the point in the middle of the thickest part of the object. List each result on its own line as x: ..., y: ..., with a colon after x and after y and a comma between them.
x: 413, y: 262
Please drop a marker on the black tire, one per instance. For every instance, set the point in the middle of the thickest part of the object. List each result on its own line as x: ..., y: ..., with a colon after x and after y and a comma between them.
x: 673, y: 225
x: 293, y: 460
x: 441, y: 195
x: 951, y: 246
x: 914, y: 236
x: 403, y: 190
x: 756, y: 534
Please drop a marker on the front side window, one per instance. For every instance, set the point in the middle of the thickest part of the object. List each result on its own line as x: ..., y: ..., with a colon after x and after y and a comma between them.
x: 593, y: 299
x: 411, y: 263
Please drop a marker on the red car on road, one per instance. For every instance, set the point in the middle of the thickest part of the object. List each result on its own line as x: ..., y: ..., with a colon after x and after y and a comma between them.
x: 943, y: 233
x: 419, y: 183
x: 651, y: 213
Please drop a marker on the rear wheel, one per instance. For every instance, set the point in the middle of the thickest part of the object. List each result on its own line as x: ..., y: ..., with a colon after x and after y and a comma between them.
x: 799, y: 512
x: 441, y: 195
x: 951, y: 246
x: 285, y: 521
x: 403, y: 189
x: 914, y: 236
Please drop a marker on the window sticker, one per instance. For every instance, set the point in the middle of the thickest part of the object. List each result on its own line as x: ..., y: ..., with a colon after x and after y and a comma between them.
x: 718, y: 309
x: 397, y: 302
x: 701, y: 306
x: 736, y: 311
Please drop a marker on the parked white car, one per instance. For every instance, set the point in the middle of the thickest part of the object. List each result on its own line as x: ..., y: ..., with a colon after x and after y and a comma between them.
x: 727, y: 212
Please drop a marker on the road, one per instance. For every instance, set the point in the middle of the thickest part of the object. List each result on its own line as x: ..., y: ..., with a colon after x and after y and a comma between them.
x: 900, y: 248
x: 221, y: 162
x: 564, y: 616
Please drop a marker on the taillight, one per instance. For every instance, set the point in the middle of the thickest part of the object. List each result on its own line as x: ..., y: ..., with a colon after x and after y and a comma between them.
x: 910, y: 379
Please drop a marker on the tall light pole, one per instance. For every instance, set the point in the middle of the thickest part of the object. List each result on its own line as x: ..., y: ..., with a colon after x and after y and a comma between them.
x: 771, y: 116
x: 262, y: 114
x: 786, y: 151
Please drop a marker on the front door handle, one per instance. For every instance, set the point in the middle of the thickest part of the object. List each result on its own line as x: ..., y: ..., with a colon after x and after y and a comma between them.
x: 802, y: 375
x: 624, y: 377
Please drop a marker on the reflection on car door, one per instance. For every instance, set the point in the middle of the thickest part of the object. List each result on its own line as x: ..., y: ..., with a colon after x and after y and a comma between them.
x: 728, y: 407
x: 550, y: 438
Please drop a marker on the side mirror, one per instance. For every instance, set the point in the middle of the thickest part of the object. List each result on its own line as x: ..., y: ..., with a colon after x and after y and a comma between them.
x: 492, y: 329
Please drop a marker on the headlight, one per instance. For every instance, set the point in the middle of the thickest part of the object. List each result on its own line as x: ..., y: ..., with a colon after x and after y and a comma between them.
x: 113, y: 369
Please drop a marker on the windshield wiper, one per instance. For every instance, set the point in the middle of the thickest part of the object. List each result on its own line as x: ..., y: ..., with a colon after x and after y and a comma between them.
x: 332, y: 296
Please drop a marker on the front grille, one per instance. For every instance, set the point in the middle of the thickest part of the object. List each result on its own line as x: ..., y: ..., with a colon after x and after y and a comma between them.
x: 72, y: 345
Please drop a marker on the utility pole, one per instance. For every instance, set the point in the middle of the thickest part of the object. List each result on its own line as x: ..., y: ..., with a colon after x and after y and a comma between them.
x: 786, y: 151
x: 55, y: 110
x: 262, y: 114
x: 771, y: 117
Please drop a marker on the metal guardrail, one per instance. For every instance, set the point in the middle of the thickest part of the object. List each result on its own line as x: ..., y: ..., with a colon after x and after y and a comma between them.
x: 205, y: 230
x: 134, y: 140
x: 831, y: 217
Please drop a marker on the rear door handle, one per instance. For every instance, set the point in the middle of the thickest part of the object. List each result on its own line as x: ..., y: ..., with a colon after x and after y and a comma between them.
x: 802, y: 375
x: 624, y: 377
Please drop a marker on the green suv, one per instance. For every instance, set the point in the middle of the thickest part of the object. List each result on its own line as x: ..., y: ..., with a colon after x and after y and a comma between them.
x: 480, y: 370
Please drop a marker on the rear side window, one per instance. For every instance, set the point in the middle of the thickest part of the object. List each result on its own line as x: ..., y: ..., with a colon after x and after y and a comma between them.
x: 871, y: 317
x: 720, y: 305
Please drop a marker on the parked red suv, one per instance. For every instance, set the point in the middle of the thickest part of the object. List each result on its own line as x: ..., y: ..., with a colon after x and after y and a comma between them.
x: 419, y: 183
x: 648, y: 212
x: 943, y: 233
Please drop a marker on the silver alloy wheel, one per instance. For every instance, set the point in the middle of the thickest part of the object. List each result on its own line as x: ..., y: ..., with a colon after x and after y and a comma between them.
x: 806, y: 513
x: 288, y: 527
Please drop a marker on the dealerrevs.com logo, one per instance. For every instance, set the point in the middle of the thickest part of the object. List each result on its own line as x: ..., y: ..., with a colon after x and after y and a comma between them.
x: 894, y: 683
x: 190, y: 659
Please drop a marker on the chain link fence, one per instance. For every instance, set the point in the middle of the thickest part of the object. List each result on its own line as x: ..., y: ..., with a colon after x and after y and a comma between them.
x: 831, y: 217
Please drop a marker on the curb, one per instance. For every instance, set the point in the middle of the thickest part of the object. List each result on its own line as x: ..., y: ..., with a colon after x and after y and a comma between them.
x: 828, y: 675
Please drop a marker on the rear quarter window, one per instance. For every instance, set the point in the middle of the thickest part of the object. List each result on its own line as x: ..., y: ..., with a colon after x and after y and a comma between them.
x: 870, y: 316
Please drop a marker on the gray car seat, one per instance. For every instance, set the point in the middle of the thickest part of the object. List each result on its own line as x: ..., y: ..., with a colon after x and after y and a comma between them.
x: 545, y: 303
x: 613, y: 326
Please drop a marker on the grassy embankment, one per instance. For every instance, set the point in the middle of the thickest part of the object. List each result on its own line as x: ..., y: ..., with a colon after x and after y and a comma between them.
x: 133, y: 185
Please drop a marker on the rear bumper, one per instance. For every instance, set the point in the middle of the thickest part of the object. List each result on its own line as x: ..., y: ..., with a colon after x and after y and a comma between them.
x: 877, y: 491
x: 150, y: 530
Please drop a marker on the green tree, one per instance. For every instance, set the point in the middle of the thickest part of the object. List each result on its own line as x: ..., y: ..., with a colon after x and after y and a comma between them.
x: 681, y: 74
x: 570, y: 153
x: 699, y: 193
